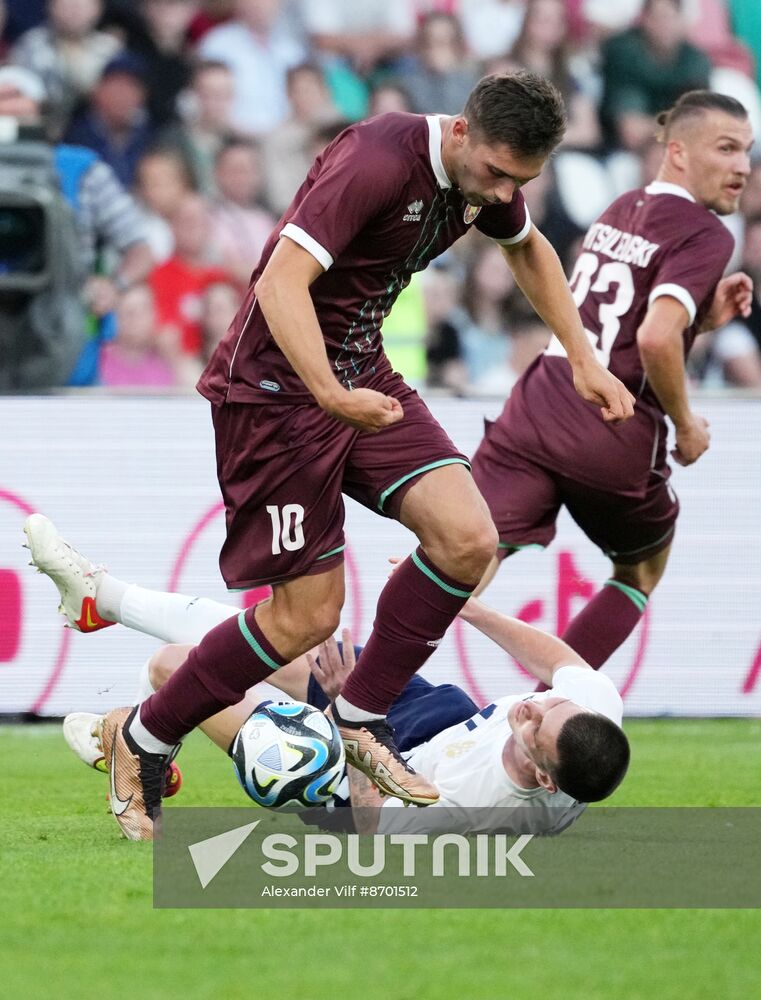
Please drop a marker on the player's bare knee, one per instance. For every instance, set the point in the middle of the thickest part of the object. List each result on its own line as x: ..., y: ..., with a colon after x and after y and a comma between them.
x: 311, y: 624
x: 480, y: 540
x: 471, y: 548
x: 488, y: 542
x: 161, y: 666
x: 322, y: 622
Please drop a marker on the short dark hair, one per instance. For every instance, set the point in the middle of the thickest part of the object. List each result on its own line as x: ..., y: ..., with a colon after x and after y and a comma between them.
x: 521, y: 110
x: 593, y: 757
x: 693, y: 104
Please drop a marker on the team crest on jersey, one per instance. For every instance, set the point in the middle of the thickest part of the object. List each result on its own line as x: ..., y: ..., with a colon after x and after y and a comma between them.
x: 458, y: 748
x: 470, y: 213
x: 413, y: 211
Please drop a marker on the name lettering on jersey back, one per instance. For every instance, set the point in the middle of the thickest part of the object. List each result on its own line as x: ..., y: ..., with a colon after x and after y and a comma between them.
x: 618, y: 245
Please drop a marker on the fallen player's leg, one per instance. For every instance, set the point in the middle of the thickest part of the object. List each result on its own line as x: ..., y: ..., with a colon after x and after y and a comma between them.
x: 92, y: 599
x: 83, y: 733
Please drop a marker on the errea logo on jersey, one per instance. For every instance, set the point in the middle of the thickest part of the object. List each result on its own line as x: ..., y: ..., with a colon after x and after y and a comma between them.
x: 413, y: 211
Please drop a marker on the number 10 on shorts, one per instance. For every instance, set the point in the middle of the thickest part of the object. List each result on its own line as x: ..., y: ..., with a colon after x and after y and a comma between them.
x: 287, y: 527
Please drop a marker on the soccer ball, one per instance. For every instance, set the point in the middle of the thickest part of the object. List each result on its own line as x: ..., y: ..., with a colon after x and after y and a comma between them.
x: 288, y: 753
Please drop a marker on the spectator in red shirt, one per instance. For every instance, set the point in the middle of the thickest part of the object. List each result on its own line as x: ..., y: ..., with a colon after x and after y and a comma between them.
x: 180, y: 282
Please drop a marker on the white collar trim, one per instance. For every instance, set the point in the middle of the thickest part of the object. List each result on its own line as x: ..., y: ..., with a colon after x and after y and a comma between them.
x: 434, y: 151
x: 663, y: 187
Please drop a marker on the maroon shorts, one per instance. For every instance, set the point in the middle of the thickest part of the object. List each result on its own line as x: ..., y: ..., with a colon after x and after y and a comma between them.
x: 282, y: 470
x: 525, y: 499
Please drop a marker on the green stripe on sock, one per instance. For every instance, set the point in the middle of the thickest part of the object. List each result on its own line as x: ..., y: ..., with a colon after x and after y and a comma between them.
x: 439, y: 583
x: 636, y: 596
x: 332, y: 552
x: 254, y: 644
x: 418, y: 472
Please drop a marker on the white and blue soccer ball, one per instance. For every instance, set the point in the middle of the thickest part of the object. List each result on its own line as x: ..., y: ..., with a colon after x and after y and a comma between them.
x: 288, y: 754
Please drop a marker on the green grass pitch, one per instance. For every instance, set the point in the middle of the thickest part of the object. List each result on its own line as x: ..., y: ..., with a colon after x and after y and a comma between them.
x: 77, y: 921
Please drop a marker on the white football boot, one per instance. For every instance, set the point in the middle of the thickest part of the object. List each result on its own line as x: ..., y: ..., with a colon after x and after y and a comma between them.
x: 74, y: 575
x: 83, y: 731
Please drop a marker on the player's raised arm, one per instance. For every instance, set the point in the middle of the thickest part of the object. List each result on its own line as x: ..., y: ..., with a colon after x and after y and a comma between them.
x: 660, y: 339
x: 282, y: 292
x: 540, y: 277
x: 538, y: 652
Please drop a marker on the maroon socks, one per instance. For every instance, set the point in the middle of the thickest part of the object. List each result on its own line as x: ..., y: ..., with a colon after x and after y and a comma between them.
x: 607, y: 620
x: 217, y: 673
x: 415, y: 608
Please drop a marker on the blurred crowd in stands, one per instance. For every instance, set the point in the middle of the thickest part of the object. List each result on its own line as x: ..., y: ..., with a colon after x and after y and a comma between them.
x: 202, y: 119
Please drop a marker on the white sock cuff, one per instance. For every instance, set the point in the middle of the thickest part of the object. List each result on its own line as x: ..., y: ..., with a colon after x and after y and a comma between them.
x: 134, y: 607
x: 172, y: 617
x: 146, y: 740
x: 144, y: 687
x: 353, y: 714
x: 108, y: 597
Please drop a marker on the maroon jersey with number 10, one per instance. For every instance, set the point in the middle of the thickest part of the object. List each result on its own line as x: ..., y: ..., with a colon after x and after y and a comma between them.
x: 648, y: 243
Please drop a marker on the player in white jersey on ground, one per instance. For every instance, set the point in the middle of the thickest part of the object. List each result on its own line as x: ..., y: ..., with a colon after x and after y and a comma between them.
x: 528, y: 763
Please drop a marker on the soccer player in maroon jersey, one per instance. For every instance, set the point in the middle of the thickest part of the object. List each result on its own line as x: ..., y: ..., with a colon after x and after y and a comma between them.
x: 648, y: 280
x: 306, y: 407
